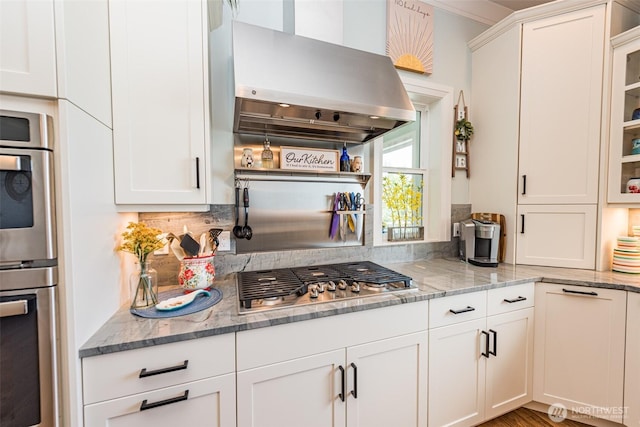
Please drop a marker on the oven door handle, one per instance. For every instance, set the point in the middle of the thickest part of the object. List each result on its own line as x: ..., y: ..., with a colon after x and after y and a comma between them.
x: 12, y: 163
x: 14, y: 308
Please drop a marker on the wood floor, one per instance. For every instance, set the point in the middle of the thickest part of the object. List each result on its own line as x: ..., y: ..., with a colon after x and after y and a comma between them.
x: 524, y: 417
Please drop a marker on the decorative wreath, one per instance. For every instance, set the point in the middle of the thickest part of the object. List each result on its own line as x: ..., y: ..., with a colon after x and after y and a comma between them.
x: 464, y: 130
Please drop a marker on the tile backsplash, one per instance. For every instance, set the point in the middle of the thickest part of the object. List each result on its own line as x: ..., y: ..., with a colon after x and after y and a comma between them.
x: 222, y: 216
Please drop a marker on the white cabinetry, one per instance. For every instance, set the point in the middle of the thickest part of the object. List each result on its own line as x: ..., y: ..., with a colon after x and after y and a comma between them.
x: 625, y: 98
x: 184, y: 383
x: 541, y: 110
x: 358, y: 369
x: 482, y: 363
x: 159, y: 65
x: 632, y: 363
x: 579, y: 348
x: 27, y: 48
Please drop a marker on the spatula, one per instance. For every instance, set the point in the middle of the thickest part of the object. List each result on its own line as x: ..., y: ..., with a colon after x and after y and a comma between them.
x: 190, y: 245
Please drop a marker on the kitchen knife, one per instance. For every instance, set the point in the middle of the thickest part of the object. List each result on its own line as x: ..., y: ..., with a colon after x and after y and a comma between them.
x: 359, y: 217
x: 335, y: 218
x: 351, y: 218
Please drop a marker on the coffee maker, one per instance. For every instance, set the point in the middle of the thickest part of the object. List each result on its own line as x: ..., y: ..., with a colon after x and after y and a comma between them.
x: 479, y: 240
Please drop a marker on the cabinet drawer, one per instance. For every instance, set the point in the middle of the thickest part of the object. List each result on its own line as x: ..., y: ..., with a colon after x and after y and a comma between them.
x: 209, y: 402
x: 136, y: 371
x: 510, y: 298
x: 457, y: 308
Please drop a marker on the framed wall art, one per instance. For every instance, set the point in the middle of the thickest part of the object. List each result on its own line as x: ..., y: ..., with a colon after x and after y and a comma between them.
x: 410, y: 35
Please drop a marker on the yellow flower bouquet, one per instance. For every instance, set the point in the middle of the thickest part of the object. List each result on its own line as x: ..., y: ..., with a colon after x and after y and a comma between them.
x: 141, y: 240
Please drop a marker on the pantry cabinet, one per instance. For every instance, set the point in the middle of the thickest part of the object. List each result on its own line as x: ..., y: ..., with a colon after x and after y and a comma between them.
x: 480, y: 355
x: 184, y: 383
x: 632, y: 362
x: 539, y: 114
x: 27, y: 48
x: 624, y: 160
x: 341, y: 384
x: 579, y: 348
x: 159, y: 66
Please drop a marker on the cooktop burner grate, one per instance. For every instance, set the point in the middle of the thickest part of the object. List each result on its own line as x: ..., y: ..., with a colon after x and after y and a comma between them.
x: 268, y: 284
x: 293, y: 283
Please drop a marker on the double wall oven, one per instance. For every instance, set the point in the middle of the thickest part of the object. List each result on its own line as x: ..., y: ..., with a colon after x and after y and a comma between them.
x: 28, y: 272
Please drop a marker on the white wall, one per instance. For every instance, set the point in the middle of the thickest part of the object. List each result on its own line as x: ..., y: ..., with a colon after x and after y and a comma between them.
x: 364, y: 28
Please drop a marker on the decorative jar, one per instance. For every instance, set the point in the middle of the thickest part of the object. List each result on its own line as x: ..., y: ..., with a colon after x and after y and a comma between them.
x: 144, y: 286
x: 633, y: 185
x: 196, y: 273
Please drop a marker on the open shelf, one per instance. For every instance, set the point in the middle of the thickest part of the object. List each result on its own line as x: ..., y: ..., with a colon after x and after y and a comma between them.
x: 262, y: 174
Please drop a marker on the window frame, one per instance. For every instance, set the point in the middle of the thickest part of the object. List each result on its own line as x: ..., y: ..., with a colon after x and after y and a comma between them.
x: 436, y: 136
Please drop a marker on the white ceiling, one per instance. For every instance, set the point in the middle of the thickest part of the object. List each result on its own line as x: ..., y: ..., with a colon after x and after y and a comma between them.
x: 519, y: 4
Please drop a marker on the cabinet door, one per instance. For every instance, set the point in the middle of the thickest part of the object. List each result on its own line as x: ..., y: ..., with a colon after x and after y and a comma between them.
x: 209, y: 402
x: 556, y: 235
x: 300, y: 392
x: 561, y: 89
x: 160, y: 102
x: 387, y: 382
x: 510, y: 370
x: 624, y: 162
x: 457, y: 374
x: 632, y: 364
x: 27, y: 48
x: 579, y: 344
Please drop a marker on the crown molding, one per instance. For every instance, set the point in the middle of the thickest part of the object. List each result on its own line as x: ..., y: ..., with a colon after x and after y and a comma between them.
x: 483, y: 11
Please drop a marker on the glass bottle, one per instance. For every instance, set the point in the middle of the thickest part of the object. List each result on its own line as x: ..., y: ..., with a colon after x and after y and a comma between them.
x: 144, y: 286
x: 345, y: 164
x: 267, y: 155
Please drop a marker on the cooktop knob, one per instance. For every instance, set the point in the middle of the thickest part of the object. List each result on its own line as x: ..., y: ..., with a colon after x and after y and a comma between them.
x: 355, y: 287
x: 313, y: 293
x: 320, y: 287
x: 331, y: 286
x: 342, y: 285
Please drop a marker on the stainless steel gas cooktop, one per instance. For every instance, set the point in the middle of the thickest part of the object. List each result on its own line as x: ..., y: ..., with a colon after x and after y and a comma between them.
x: 288, y: 287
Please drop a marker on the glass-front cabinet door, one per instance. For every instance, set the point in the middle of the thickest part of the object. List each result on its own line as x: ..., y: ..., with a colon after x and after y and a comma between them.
x: 624, y: 141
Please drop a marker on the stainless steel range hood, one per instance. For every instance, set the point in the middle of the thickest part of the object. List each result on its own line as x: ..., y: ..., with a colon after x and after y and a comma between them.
x: 293, y: 86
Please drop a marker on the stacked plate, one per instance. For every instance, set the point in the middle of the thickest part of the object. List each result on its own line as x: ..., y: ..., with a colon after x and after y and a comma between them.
x: 626, y: 257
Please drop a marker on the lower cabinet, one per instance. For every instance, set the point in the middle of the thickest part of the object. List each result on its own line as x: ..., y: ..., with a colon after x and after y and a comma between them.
x: 184, y: 383
x: 380, y: 382
x: 632, y: 363
x: 480, y: 366
x: 580, y: 349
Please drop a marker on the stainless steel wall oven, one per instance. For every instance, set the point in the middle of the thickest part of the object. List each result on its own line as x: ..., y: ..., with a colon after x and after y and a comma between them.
x: 28, y: 272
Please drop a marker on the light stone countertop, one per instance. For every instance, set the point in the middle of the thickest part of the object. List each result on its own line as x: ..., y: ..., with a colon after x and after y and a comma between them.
x: 434, y: 278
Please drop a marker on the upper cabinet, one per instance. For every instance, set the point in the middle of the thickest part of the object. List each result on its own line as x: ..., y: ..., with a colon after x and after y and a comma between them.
x: 560, y: 104
x: 538, y: 121
x: 27, y: 48
x: 624, y: 139
x: 159, y: 67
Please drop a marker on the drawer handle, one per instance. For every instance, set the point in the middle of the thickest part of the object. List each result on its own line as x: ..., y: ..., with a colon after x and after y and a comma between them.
x: 511, y: 301
x: 343, y: 386
x: 152, y: 405
x: 464, y: 310
x: 570, y: 291
x: 145, y: 373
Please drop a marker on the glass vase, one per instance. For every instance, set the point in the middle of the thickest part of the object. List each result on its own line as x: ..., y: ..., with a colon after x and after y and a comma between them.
x: 144, y: 286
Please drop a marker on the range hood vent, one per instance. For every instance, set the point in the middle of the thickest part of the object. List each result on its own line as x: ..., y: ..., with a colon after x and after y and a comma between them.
x: 297, y: 87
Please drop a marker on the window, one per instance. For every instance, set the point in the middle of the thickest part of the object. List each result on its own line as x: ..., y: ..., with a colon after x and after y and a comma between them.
x: 412, y: 185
